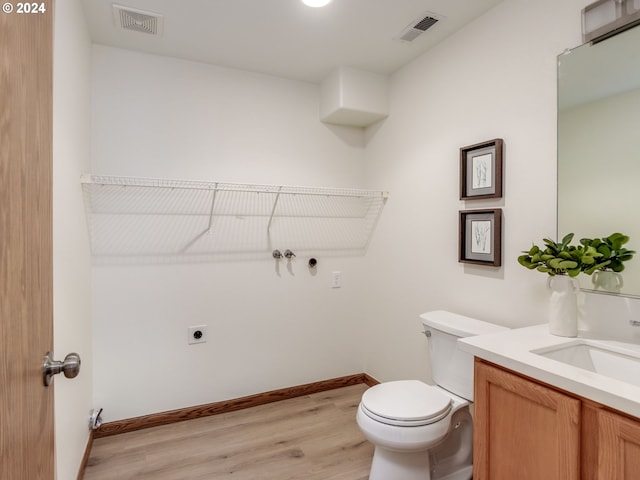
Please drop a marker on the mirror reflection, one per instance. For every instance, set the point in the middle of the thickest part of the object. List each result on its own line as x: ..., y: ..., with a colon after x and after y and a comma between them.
x: 599, y: 150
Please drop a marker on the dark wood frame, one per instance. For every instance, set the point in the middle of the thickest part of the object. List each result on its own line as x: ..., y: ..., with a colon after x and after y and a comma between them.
x: 495, y: 148
x: 493, y: 259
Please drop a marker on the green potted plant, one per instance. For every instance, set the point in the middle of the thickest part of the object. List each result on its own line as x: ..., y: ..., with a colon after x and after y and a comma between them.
x: 607, y: 276
x: 562, y: 258
x: 563, y: 262
x: 613, y: 254
x: 592, y: 255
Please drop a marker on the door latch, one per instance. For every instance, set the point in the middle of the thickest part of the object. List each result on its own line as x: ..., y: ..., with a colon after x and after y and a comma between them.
x: 50, y: 367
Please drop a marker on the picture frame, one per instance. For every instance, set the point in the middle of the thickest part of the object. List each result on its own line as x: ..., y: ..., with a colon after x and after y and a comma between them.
x: 480, y: 237
x: 481, y: 170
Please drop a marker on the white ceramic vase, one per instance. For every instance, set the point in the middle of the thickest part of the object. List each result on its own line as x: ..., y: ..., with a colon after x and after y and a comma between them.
x: 607, y: 281
x: 563, y: 306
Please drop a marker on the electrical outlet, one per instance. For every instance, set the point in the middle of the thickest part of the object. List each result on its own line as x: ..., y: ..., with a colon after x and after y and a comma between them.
x: 197, y: 334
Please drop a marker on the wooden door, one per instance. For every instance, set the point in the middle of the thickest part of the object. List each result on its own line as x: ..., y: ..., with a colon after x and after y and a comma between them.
x: 26, y: 406
x: 523, y: 430
x: 618, y: 447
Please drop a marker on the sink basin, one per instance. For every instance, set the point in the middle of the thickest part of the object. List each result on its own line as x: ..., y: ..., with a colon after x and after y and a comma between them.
x: 603, y: 359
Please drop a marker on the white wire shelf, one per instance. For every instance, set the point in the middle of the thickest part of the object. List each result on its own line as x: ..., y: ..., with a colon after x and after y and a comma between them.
x: 149, y: 218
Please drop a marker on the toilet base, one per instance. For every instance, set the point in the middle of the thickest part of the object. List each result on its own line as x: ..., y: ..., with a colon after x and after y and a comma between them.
x: 388, y: 465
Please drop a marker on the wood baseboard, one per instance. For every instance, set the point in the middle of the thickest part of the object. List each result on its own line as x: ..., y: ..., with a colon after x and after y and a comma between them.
x: 85, y: 457
x: 370, y: 381
x: 190, y: 413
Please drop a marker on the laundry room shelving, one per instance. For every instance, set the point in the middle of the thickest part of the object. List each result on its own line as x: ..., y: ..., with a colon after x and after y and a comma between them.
x: 138, y: 218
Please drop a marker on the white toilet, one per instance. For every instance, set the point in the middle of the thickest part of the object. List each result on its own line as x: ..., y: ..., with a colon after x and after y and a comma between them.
x: 424, y: 432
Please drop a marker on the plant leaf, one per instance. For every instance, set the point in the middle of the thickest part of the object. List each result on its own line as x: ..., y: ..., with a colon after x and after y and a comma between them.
x: 566, y: 240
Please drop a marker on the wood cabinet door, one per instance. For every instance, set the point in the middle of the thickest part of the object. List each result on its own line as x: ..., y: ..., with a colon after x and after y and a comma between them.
x: 618, y: 447
x: 523, y: 430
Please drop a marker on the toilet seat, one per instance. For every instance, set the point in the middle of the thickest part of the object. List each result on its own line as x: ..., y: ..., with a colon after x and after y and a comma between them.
x: 408, y: 403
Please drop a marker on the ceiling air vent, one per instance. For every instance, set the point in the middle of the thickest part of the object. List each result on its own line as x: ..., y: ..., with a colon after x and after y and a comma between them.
x: 418, y: 27
x: 138, y: 20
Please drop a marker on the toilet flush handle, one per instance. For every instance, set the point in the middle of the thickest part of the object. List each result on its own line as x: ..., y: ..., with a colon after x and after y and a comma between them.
x: 427, y: 333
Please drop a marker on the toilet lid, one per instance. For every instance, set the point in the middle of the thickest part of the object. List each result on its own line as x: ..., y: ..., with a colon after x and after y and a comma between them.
x: 406, y: 402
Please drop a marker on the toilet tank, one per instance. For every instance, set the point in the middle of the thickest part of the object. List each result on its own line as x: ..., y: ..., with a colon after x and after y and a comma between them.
x: 452, y: 369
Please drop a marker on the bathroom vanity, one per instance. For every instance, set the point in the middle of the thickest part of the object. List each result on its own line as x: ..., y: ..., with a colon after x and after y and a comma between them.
x: 537, y: 416
x: 526, y: 429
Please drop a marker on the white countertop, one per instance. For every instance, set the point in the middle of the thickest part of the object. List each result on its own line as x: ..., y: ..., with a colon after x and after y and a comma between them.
x: 512, y: 349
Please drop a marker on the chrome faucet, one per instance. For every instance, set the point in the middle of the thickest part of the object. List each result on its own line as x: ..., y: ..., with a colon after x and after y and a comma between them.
x: 634, y: 323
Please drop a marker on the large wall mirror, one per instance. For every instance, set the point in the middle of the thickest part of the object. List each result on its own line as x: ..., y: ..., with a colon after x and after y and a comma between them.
x: 599, y: 149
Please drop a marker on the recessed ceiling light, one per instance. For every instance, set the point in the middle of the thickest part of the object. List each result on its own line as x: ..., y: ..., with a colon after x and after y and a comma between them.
x: 316, y: 3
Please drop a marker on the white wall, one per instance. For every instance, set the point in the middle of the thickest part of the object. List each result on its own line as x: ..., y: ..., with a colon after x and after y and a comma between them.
x: 162, y: 117
x: 494, y: 79
x: 71, y: 260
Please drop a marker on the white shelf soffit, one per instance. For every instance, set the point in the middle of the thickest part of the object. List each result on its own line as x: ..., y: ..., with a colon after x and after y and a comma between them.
x: 144, y: 219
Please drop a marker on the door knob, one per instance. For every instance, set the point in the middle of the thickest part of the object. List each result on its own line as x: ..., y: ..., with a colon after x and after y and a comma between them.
x: 50, y: 367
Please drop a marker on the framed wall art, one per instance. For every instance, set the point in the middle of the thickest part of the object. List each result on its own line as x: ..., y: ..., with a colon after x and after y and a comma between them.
x: 481, y: 170
x: 480, y: 239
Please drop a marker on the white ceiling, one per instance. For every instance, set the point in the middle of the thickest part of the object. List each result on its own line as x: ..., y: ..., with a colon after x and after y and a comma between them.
x: 284, y: 37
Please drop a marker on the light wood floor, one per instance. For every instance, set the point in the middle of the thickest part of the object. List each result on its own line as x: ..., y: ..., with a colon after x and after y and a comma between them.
x: 312, y: 438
